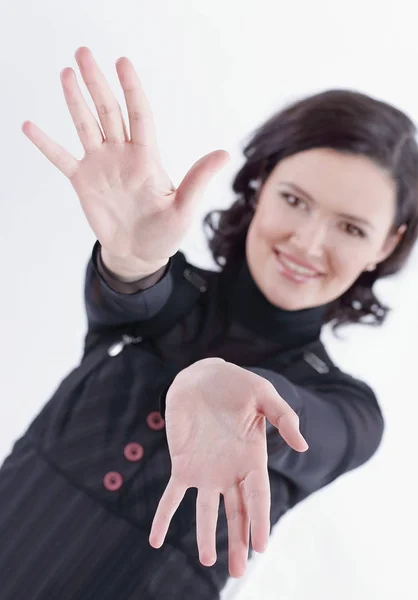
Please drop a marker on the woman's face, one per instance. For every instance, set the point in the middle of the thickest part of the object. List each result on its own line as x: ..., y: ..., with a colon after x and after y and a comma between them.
x: 322, y: 217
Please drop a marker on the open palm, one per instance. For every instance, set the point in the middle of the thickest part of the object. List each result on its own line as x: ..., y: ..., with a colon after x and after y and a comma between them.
x: 215, y: 422
x: 127, y: 197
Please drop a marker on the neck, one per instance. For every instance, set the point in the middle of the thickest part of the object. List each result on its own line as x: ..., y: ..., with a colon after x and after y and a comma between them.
x: 250, y: 307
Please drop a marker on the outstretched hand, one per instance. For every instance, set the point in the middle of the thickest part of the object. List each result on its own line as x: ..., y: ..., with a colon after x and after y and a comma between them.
x: 129, y: 201
x: 215, y: 424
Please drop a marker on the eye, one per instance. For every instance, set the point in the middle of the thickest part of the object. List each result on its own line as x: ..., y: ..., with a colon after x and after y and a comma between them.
x: 354, y: 230
x: 292, y: 200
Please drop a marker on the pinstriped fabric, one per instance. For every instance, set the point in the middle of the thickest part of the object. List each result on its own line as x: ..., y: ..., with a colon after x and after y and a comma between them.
x: 68, y: 537
x: 59, y: 543
x: 63, y: 534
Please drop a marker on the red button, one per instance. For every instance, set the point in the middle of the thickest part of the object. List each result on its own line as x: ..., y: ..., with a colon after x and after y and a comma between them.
x: 133, y: 451
x: 113, y: 481
x: 155, y: 421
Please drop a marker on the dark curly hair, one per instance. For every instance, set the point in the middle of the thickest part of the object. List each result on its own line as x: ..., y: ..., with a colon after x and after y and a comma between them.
x: 347, y: 121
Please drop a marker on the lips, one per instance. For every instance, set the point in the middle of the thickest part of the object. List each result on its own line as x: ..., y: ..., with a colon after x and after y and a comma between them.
x: 294, y: 270
x: 297, y: 261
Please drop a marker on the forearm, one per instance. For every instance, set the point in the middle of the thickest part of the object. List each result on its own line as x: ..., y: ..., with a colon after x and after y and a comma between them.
x: 107, y: 307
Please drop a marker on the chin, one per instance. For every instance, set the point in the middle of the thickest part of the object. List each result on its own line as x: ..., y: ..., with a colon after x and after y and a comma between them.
x: 286, y: 305
x: 287, y: 302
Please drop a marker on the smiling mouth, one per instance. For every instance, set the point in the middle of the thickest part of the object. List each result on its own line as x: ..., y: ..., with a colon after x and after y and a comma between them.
x: 294, y: 271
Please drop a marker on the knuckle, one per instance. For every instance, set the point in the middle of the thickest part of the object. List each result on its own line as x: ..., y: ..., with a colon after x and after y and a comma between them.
x: 264, y: 386
x: 82, y: 127
x: 260, y: 494
x: 56, y: 156
x: 205, y: 507
x: 105, y: 110
x: 235, y: 514
x: 134, y: 115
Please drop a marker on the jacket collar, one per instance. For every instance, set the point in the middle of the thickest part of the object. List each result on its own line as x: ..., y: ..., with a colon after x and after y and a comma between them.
x: 250, y: 307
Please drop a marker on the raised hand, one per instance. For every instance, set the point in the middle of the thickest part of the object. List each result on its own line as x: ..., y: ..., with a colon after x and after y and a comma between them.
x: 215, y: 423
x: 127, y: 197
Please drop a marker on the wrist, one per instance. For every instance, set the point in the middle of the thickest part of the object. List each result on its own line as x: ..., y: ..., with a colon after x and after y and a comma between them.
x: 128, y: 270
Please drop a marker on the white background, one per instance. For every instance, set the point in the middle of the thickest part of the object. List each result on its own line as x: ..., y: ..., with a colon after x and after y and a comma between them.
x: 213, y: 70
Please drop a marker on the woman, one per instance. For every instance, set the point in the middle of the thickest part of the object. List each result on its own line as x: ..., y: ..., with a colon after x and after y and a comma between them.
x: 104, y: 496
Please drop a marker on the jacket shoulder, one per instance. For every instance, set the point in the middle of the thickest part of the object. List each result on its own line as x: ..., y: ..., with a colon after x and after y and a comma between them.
x: 313, y: 367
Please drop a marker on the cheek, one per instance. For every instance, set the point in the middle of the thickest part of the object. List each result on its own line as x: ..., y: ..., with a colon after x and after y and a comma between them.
x: 255, y: 236
x: 347, y: 264
x: 271, y: 230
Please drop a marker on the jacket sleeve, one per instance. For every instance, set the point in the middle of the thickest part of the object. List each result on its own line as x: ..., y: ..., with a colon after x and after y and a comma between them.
x: 339, y: 417
x: 111, y: 304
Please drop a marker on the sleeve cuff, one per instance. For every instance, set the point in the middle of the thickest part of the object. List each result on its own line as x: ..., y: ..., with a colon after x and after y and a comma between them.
x: 123, y: 287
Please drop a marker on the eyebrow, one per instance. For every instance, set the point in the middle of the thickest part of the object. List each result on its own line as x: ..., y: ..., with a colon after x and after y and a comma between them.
x: 344, y: 215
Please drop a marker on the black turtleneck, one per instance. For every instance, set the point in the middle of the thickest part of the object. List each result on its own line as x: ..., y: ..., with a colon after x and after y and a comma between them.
x: 250, y: 308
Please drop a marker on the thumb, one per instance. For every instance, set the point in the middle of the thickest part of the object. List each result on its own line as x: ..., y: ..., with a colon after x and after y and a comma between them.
x: 282, y: 416
x: 197, y: 179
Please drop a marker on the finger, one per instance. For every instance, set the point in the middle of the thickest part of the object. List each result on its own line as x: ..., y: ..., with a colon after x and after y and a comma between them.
x: 238, y: 531
x: 282, y: 416
x: 104, y: 100
x: 167, y: 506
x: 125, y: 131
x: 59, y: 157
x: 197, y: 179
x: 207, y: 507
x: 88, y: 129
x: 256, y: 490
x: 141, y: 121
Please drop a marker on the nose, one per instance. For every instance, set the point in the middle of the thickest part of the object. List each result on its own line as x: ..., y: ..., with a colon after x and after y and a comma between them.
x: 309, y: 238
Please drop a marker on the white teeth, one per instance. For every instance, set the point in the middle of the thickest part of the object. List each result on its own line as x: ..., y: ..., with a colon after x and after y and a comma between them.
x: 296, y: 268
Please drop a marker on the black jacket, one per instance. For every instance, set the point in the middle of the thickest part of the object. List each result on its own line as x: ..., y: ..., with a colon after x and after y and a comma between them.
x: 80, y: 488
